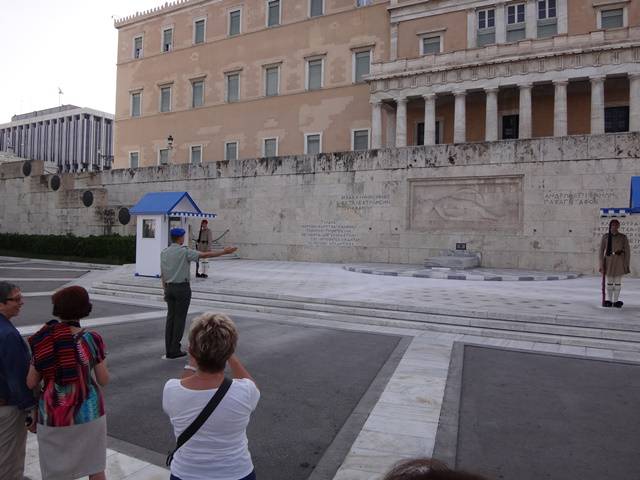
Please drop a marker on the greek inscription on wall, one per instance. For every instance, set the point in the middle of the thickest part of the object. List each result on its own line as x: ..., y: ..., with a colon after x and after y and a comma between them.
x: 630, y: 226
x: 356, y: 202
x: 329, y: 234
x: 592, y: 197
x: 484, y: 204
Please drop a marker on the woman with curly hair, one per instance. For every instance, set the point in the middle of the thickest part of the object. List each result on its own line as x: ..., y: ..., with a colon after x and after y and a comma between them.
x: 72, y: 428
x: 219, y: 449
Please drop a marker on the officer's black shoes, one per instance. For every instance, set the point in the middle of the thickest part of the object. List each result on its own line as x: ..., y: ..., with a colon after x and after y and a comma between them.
x: 204, y: 275
x: 618, y: 304
x: 607, y: 303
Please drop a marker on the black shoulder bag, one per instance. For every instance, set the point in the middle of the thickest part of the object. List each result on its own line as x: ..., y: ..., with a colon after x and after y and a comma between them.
x: 201, y: 418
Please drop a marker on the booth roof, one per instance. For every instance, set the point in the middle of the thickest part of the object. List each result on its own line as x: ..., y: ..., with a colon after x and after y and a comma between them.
x: 163, y: 203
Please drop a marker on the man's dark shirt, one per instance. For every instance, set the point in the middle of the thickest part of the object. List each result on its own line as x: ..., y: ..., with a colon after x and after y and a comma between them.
x: 14, y: 365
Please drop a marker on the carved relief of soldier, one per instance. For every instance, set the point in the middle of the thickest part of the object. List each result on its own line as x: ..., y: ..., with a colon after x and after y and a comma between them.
x: 614, y: 256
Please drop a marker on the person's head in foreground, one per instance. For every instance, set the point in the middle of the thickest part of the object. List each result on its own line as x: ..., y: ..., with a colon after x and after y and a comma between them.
x: 426, y: 469
x: 212, y: 340
x: 71, y: 303
x: 10, y: 299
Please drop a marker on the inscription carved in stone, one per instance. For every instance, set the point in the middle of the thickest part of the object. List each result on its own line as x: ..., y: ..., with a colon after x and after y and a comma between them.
x: 356, y: 202
x: 329, y: 234
x: 485, y: 204
x: 570, y: 197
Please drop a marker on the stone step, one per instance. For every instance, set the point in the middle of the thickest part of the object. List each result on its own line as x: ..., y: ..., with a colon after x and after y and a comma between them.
x: 584, y: 334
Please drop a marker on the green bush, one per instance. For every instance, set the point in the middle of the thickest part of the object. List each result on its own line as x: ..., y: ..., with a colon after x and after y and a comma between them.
x: 113, y: 248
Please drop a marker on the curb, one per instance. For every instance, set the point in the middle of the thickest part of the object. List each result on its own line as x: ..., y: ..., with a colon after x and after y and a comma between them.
x: 459, y: 275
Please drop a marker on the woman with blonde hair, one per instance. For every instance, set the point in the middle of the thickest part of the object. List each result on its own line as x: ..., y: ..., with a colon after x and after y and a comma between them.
x: 72, y: 428
x: 209, y: 412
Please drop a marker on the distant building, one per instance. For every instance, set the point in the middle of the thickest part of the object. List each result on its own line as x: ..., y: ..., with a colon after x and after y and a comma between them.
x: 69, y: 138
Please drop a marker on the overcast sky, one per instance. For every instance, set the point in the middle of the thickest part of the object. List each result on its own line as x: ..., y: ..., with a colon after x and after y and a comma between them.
x: 69, y: 44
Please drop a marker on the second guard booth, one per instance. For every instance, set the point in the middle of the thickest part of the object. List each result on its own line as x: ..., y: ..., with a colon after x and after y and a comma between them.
x: 158, y: 213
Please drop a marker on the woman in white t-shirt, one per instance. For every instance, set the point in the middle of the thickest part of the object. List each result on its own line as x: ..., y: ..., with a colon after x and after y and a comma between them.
x: 219, y: 450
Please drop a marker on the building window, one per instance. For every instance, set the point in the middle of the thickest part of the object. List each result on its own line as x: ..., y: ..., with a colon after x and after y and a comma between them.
x: 136, y: 104
x: 163, y: 156
x: 420, y: 133
x: 547, y: 19
x: 165, y: 99
x: 231, y: 150
x: 312, y: 143
x: 510, y: 127
x: 271, y: 81
x: 613, y: 18
x: 431, y: 45
x: 516, y: 26
x: 235, y: 18
x: 316, y: 8
x: 199, y: 31
x: 197, y: 93
x: 314, y: 74
x: 167, y: 39
x: 196, y: 154
x: 363, y: 3
x: 134, y: 159
x: 233, y: 87
x: 270, y: 147
x: 360, y: 140
x: 486, y: 27
x: 273, y: 13
x: 361, y: 65
x: 137, y: 47
x: 616, y: 119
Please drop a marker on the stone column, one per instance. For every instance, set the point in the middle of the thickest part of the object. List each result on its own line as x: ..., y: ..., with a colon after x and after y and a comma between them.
x: 560, y: 108
x: 393, y: 54
x: 634, y: 102
x: 491, y: 115
x: 501, y: 24
x: 401, y: 122
x: 460, y: 118
x: 597, y: 105
x: 376, y: 124
x: 525, y: 112
x: 430, y: 119
x: 471, y: 28
x: 531, y: 19
x: 563, y: 16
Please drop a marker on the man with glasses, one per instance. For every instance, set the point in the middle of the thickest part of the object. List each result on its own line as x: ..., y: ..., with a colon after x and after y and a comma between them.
x: 16, y: 400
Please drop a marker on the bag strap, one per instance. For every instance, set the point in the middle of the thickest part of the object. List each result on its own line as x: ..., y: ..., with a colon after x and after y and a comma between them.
x: 201, y: 418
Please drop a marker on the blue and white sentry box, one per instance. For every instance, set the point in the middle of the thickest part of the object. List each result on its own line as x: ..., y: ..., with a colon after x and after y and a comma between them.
x: 158, y: 213
x: 634, y: 202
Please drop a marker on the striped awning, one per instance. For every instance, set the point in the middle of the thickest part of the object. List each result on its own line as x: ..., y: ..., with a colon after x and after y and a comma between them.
x: 192, y: 214
x: 615, y: 212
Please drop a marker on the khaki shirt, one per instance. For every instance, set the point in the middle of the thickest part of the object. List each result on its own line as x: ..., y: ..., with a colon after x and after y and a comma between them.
x: 175, y: 262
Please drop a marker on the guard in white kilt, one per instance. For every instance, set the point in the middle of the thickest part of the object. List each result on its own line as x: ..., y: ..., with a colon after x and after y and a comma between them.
x: 615, y: 258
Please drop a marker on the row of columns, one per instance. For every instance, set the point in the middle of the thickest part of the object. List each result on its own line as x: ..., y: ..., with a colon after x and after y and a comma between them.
x: 491, y: 116
x: 71, y: 142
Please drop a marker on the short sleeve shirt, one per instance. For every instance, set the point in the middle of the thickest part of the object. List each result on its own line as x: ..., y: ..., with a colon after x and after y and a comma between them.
x: 175, y: 261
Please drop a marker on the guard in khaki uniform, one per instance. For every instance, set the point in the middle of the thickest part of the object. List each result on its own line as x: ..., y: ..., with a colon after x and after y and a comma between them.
x: 615, y: 258
x: 203, y: 244
x: 175, y: 271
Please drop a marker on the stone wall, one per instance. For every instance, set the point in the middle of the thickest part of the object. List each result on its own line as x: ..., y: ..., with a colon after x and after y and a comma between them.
x: 530, y: 204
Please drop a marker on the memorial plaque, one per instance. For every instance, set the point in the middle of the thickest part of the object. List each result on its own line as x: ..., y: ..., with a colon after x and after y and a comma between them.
x: 484, y: 204
x: 330, y: 234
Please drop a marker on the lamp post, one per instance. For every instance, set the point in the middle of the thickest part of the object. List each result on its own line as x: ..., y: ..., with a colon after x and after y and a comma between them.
x: 169, y: 148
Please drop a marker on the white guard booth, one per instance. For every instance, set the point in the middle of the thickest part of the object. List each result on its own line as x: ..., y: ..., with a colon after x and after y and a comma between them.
x: 158, y: 213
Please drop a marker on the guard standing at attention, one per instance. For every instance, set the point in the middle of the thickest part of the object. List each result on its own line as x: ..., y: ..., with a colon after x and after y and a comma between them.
x: 615, y: 258
x: 175, y: 261
x: 203, y: 244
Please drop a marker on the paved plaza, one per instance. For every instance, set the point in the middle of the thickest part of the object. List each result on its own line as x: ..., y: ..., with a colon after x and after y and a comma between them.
x: 353, y: 367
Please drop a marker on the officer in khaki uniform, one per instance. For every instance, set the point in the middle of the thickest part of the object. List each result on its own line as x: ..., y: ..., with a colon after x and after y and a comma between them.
x: 615, y: 261
x: 175, y: 261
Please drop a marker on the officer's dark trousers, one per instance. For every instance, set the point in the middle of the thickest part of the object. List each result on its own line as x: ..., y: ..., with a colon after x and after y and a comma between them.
x: 178, y: 298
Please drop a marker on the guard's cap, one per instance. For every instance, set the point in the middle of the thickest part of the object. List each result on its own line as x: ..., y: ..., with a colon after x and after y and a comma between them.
x: 177, y: 232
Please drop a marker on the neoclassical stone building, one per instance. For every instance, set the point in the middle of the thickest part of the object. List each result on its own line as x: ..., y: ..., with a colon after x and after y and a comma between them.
x: 205, y: 80
x: 481, y: 70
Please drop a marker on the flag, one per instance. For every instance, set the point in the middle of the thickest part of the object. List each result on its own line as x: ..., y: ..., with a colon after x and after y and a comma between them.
x: 60, y: 91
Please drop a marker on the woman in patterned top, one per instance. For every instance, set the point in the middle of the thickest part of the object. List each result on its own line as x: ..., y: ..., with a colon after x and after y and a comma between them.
x: 72, y: 429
